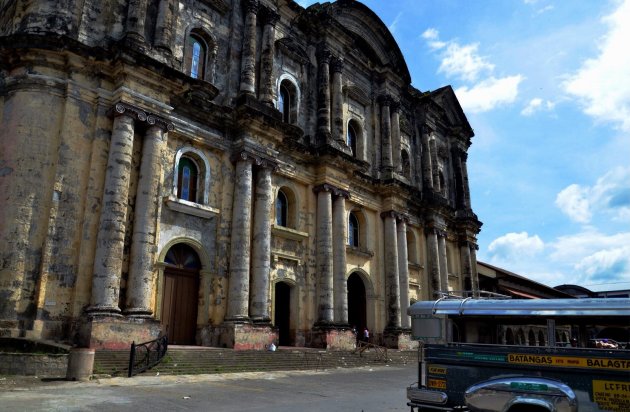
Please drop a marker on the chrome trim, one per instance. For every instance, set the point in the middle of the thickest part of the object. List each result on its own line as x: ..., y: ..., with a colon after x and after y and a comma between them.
x: 415, y: 394
x: 522, y: 307
x: 501, y: 394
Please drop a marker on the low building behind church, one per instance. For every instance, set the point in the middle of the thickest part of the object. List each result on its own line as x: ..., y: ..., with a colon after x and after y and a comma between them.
x: 229, y: 173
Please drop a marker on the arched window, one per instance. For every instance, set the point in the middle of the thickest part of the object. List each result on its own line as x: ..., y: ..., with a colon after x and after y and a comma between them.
x: 351, y: 139
x: 288, y: 101
x: 353, y: 230
x: 406, y: 164
x: 187, y: 179
x: 284, y: 103
x: 282, y: 209
x: 196, y: 54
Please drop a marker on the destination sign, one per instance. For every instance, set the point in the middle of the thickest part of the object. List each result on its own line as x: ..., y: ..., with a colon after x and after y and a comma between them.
x: 568, y: 361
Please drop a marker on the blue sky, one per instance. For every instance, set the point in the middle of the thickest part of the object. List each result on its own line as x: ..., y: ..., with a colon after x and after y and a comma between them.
x: 545, y: 85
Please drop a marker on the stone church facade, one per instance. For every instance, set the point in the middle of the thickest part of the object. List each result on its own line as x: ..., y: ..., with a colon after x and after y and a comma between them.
x: 226, y: 172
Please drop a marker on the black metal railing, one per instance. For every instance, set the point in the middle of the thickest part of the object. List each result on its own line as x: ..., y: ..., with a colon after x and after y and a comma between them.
x: 146, y: 355
x: 381, y: 351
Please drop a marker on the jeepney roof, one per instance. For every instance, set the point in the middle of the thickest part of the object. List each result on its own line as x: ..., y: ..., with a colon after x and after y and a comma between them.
x: 522, y: 307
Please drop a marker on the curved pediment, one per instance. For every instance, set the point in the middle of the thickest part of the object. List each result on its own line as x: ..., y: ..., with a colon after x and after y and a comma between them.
x: 371, y: 35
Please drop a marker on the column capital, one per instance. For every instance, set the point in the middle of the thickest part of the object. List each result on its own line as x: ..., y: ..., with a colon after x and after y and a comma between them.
x: 250, y: 6
x: 326, y: 187
x: 136, y: 113
x: 426, y: 129
x: 255, y: 159
x: 125, y: 109
x: 269, y: 16
x: 337, y: 64
x: 396, y: 215
x: 395, y: 105
x: 385, y: 99
x: 324, y: 54
x: 160, y: 122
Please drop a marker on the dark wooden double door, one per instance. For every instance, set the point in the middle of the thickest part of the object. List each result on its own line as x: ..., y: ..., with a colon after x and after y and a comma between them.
x: 180, y: 296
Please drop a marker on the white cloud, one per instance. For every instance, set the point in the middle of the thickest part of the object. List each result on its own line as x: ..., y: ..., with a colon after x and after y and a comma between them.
x: 489, y: 93
x: 537, y: 104
x: 574, y: 202
x: 515, y: 246
x: 601, y: 84
x: 609, y: 196
x: 463, y: 62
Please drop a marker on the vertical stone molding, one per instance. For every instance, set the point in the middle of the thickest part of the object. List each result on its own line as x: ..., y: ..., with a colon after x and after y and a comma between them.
x: 437, y: 186
x: 464, y: 253
x: 337, y: 101
x: 141, y: 269
x: 267, y: 77
x: 324, y: 235
x: 427, y: 172
x: 340, y: 285
x: 386, y: 134
x: 261, y: 251
x: 434, y: 262
x: 392, y: 281
x: 110, y: 239
x: 248, y: 58
x: 396, y: 141
x: 164, y: 24
x: 136, y: 14
x: 238, y: 291
x: 403, y: 273
x: 443, y: 256
x: 474, y: 275
x: 323, y: 95
x: 465, y: 184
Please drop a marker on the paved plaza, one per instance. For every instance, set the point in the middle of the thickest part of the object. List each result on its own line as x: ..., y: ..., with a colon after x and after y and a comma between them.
x: 368, y: 389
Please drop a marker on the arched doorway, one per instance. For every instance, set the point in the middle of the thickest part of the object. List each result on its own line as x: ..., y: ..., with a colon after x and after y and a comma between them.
x: 180, y: 295
x: 282, y: 313
x: 357, y: 313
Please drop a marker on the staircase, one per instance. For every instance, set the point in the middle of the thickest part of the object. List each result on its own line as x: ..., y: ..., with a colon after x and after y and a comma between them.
x: 190, y: 360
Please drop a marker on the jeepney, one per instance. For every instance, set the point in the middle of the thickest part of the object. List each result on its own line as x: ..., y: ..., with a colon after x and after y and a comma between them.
x: 508, y: 355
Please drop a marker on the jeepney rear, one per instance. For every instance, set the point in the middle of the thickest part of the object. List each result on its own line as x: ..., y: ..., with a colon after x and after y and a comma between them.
x: 455, y: 374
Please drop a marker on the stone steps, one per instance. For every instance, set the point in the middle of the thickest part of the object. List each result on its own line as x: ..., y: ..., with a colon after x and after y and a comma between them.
x: 212, y: 360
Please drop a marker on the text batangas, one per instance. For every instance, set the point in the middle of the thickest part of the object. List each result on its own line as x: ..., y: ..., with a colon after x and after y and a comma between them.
x: 568, y: 361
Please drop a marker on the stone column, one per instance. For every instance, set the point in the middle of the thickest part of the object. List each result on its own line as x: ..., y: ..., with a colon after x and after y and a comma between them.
x: 323, y: 96
x: 267, y: 77
x: 434, y: 261
x: 464, y: 169
x: 248, y: 58
x: 392, y: 280
x: 110, y: 240
x: 337, y: 102
x: 164, y: 25
x: 464, y: 253
x: 443, y: 256
x: 261, y: 251
x: 136, y: 14
x: 427, y: 172
x: 396, y: 141
x: 386, y: 134
x: 324, y: 254
x: 340, y: 235
x: 238, y: 297
x: 437, y: 186
x: 474, y: 275
x: 143, y: 240
x: 403, y: 273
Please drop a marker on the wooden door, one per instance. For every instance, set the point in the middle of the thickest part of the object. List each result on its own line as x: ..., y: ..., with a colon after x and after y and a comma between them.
x: 180, y: 295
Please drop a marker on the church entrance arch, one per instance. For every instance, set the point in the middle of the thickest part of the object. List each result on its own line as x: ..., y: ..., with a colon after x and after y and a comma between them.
x: 282, y: 313
x: 357, y: 312
x: 180, y: 297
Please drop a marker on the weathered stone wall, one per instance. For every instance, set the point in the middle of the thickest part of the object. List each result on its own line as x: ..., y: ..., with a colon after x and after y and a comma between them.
x: 34, y: 364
